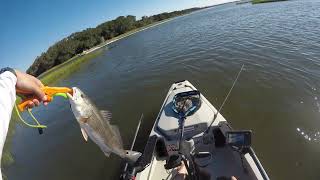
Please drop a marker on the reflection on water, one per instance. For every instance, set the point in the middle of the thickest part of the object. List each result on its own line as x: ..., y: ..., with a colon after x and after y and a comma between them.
x: 309, y: 136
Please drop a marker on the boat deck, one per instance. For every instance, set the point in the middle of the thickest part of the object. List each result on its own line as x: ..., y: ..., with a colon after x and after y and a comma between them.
x: 227, y: 162
x: 224, y: 161
x: 213, y: 158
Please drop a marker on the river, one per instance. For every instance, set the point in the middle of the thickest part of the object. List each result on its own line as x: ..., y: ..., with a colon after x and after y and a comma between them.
x: 277, y: 95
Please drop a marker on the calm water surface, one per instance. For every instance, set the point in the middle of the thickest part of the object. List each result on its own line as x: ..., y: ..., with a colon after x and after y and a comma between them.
x: 277, y: 96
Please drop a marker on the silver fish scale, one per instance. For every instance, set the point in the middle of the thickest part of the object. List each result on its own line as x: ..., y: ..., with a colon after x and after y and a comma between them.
x: 105, y: 130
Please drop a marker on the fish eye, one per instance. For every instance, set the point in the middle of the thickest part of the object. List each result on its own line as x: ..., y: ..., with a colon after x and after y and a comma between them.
x: 82, y: 95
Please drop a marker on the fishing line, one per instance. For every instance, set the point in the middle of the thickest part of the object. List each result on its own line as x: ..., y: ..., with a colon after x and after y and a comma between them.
x: 38, y: 125
x: 225, y: 99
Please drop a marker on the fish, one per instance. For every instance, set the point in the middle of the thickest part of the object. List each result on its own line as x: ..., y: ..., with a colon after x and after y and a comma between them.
x: 95, y: 124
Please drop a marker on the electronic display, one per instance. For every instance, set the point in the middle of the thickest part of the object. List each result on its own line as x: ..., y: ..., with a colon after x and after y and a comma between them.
x: 239, y: 138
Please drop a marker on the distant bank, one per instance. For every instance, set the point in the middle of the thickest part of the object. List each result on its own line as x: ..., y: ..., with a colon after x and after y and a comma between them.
x: 71, y: 65
x: 91, y: 39
x: 265, y: 1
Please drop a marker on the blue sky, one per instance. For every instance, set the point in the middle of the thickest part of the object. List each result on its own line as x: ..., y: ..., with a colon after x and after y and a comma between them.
x: 29, y: 27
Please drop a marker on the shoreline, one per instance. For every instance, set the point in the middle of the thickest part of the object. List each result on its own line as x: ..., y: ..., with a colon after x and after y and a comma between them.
x: 98, y: 47
x: 265, y: 1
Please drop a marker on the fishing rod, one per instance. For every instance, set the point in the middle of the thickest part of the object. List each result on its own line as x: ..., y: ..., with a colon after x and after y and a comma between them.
x: 225, y: 99
x: 133, y: 142
x: 136, y: 133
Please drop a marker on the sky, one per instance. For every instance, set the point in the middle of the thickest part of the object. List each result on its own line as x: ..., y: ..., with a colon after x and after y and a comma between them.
x: 30, y: 27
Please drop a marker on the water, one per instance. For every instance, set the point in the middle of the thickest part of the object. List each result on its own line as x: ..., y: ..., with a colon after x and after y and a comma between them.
x: 276, y: 95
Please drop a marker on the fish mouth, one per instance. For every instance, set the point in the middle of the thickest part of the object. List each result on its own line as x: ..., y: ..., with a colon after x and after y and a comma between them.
x: 73, y: 94
x: 69, y: 96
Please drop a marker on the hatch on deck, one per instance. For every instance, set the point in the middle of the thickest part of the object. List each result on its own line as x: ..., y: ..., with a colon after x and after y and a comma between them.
x: 198, y: 114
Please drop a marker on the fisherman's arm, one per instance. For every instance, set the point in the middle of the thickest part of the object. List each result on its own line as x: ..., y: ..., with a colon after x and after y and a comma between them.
x: 7, y: 98
x: 8, y: 82
x: 12, y: 81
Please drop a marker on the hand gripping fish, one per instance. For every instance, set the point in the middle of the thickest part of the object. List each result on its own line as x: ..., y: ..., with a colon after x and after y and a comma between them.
x: 96, y: 125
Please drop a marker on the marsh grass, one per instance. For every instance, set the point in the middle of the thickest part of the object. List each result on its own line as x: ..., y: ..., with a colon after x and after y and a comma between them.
x: 65, y: 69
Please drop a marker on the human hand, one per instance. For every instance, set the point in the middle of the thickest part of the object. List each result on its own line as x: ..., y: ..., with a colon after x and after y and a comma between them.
x: 30, y: 86
x: 181, y: 172
x: 182, y: 169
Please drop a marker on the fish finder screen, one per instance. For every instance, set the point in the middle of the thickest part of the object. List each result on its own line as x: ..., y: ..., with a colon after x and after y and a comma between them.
x: 236, y: 138
x: 239, y: 138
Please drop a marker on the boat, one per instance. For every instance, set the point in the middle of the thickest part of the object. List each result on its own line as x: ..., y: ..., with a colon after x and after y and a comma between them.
x: 190, y: 131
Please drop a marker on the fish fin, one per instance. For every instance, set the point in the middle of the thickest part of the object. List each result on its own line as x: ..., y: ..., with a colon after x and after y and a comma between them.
x: 84, y: 134
x: 84, y: 119
x: 106, y: 115
x: 117, y: 132
x: 107, y: 154
x: 106, y: 150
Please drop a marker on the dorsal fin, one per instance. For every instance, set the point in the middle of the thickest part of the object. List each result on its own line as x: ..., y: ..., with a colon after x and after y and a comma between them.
x: 117, y: 132
x: 106, y: 115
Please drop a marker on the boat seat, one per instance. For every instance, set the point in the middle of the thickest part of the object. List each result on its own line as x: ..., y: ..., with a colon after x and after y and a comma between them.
x: 202, y: 159
x: 161, y: 149
x: 219, y: 133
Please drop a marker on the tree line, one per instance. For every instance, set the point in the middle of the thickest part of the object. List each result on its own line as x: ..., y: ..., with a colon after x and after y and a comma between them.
x: 78, y: 42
